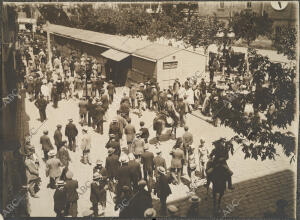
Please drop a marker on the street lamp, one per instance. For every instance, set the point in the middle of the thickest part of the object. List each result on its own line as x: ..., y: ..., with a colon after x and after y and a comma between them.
x: 225, y: 36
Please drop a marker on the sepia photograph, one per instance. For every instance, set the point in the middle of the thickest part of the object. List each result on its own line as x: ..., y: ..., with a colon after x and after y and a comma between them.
x: 149, y: 109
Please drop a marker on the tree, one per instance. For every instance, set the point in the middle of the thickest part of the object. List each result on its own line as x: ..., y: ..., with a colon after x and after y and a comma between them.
x: 260, y: 132
x: 248, y: 25
x: 285, y: 41
x: 54, y: 14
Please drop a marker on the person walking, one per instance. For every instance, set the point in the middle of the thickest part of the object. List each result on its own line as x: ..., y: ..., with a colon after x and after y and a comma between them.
x: 112, y: 164
x: 135, y: 171
x: 111, y: 91
x: 163, y: 189
x: 130, y: 134
x: 159, y: 161
x: 71, y: 132
x: 144, y: 132
x: 60, y: 198
x: 46, y: 144
x: 58, y: 137
x: 71, y: 187
x: 53, y: 169
x: 64, y: 157
x: 86, y: 146
x: 177, y: 160
x: 41, y: 104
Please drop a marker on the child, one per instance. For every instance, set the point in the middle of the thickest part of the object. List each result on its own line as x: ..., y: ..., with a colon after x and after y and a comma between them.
x: 144, y: 132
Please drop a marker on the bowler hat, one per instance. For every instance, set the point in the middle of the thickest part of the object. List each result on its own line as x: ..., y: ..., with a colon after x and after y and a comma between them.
x: 58, y: 126
x: 60, y: 183
x: 162, y: 170
x: 96, y: 176
x: 142, y: 183
x: 150, y: 213
x: 172, y: 209
x: 45, y: 131
x: 194, y: 199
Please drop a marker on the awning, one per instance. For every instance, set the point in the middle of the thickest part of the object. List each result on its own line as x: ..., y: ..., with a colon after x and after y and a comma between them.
x: 115, y: 55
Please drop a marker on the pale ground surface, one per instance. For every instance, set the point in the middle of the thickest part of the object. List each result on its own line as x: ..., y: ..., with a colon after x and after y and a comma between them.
x: 263, y: 193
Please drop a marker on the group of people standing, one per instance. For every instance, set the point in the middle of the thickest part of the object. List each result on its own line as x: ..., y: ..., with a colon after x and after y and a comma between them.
x: 132, y: 172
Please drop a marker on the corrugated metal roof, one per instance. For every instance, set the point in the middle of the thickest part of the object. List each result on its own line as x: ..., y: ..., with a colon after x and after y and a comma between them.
x: 156, y: 51
x: 115, y: 55
x: 123, y: 43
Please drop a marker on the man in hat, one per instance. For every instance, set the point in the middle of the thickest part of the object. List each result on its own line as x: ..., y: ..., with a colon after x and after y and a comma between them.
x: 46, y: 144
x: 154, y: 98
x: 111, y: 91
x: 53, y: 170
x: 99, y: 84
x: 58, y: 137
x: 115, y: 144
x: 135, y: 171
x: 64, y: 157
x: 114, y: 128
x: 187, y: 139
x: 72, y: 195
x: 91, y: 107
x: 125, y: 98
x: 112, y: 164
x: 130, y: 133
x: 193, y: 211
x: 132, y: 95
x: 176, y: 87
x: 37, y: 86
x: 144, y: 132
x: 121, y: 121
x: 181, y: 111
x: 60, y: 198
x: 41, y: 104
x: 158, y: 161
x: 86, y: 145
x: 150, y: 213
x: 45, y: 89
x: 163, y: 189
x: 71, y: 132
x: 83, y: 111
x: 124, y: 204
x: 32, y: 174
x: 138, y: 146
x: 148, y: 165
x: 172, y: 210
x: 141, y: 201
x: 54, y: 94
x: 99, y: 168
x: 220, y: 155
x: 99, y: 117
x: 98, y: 193
x: 123, y: 175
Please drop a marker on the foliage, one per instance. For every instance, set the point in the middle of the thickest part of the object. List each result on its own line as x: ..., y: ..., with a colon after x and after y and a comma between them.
x: 54, y: 14
x: 285, y: 41
x: 201, y: 31
x: 259, y: 133
x: 248, y: 25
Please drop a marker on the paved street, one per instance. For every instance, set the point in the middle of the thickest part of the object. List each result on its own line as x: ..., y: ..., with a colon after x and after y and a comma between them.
x: 258, y: 184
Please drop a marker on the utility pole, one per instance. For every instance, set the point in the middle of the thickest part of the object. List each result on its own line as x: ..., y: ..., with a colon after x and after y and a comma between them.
x: 49, y: 45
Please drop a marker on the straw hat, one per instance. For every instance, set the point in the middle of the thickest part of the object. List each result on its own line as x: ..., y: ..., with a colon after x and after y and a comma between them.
x: 150, y: 213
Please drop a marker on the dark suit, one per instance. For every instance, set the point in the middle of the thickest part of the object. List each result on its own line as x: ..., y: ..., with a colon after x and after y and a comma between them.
x: 58, y: 138
x: 135, y: 173
x: 60, y: 197
x: 98, y: 194
x: 41, y: 104
x: 123, y: 177
x: 71, y: 132
x: 46, y: 145
x: 140, y: 203
x: 71, y: 197
x: 112, y: 165
x: 148, y: 165
x: 115, y: 145
x: 145, y: 134
x: 163, y: 191
x: 159, y: 161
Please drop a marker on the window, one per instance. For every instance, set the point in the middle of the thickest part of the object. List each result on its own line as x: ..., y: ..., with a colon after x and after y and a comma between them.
x: 248, y: 5
x: 221, y: 6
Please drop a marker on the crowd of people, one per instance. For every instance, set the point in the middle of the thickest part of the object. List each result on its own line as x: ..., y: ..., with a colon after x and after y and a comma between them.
x: 132, y: 172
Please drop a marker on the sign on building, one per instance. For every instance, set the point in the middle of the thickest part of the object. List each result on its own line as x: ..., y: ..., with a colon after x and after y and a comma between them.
x: 170, y: 65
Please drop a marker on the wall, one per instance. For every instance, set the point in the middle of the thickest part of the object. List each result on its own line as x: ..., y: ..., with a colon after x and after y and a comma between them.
x: 142, y: 70
x: 188, y: 64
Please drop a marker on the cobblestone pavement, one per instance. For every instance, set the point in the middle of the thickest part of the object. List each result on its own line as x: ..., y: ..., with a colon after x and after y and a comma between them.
x: 264, y: 182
